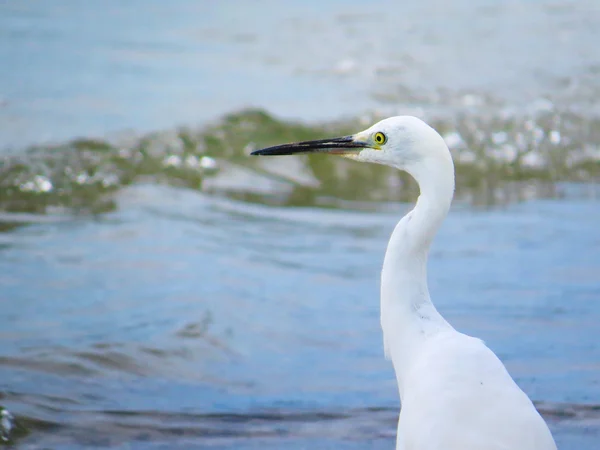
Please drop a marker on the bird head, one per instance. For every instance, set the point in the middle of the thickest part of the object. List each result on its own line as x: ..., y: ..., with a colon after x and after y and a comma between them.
x: 402, y: 142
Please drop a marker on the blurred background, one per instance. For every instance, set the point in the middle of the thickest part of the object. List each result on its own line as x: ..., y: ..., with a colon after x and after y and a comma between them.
x: 160, y: 289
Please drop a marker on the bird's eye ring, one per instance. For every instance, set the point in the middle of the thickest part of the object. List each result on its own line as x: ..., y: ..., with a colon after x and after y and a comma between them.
x: 380, y: 138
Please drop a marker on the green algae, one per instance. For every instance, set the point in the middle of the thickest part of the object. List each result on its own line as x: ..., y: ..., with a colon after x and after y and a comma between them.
x: 491, y: 153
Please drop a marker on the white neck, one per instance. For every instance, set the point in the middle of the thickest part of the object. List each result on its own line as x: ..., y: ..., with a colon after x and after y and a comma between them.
x: 408, y: 317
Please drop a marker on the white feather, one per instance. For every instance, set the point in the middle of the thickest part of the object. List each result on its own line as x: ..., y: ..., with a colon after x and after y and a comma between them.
x: 455, y: 392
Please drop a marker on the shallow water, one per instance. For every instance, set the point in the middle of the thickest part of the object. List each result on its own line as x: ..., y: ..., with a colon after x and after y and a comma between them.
x: 161, y: 289
x: 182, y: 319
x: 144, y: 65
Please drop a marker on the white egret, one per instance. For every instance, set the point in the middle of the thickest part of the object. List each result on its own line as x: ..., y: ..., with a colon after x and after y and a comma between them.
x: 455, y: 393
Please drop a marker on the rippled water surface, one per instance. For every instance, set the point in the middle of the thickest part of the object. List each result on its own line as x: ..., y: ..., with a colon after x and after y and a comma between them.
x: 185, y: 317
x: 161, y: 289
x: 146, y: 65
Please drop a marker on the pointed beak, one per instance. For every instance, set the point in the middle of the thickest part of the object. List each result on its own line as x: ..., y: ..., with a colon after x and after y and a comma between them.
x: 337, y: 146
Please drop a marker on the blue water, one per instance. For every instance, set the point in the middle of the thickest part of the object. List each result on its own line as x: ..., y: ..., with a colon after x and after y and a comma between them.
x: 180, y: 309
x: 70, y: 69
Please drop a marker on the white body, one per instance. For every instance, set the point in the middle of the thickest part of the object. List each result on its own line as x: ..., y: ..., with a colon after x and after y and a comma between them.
x: 455, y: 392
x: 459, y: 396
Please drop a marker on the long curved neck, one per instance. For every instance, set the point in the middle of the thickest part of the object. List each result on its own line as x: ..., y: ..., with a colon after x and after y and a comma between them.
x: 408, y: 317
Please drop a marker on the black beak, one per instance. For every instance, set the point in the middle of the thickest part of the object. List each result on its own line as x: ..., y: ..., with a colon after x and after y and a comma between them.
x: 336, y: 146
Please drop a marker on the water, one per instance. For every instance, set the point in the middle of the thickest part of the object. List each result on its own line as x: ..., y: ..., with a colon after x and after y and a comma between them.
x: 181, y: 317
x: 160, y: 289
x: 77, y: 70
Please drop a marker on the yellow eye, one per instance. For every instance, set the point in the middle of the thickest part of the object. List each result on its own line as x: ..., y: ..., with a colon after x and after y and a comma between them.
x: 380, y: 138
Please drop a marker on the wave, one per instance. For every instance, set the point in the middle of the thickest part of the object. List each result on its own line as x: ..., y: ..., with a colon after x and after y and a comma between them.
x: 111, y: 427
x: 500, y: 157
